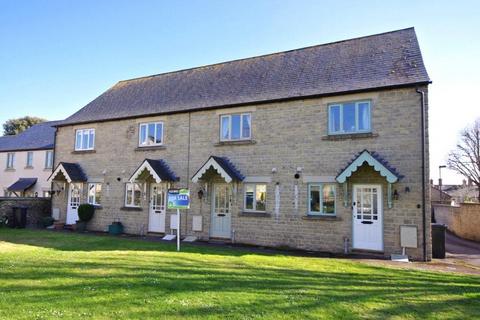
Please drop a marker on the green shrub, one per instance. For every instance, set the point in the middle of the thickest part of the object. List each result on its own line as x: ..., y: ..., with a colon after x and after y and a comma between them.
x: 85, y: 212
x: 47, y: 221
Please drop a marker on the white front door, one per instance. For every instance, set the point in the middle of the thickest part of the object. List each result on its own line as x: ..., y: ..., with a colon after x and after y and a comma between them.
x: 221, y: 211
x: 156, y: 216
x: 74, y: 193
x: 367, y: 217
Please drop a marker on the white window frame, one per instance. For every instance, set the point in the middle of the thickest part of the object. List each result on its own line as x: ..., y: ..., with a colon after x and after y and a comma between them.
x: 309, y: 199
x: 229, y: 116
x: 29, y: 164
x: 254, y: 209
x: 10, y: 160
x: 94, y: 197
x: 132, y: 204
x: 145, y: 124
x: 81, y: 131
x: 341, y: 106
x: 48, y: 159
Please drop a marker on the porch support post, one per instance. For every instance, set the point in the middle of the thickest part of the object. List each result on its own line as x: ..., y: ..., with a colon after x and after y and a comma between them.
x: 345, y: 194
x: 389, y: 195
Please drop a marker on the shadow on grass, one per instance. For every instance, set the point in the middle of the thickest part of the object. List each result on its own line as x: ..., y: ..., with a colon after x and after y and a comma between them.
x: 147, y: 280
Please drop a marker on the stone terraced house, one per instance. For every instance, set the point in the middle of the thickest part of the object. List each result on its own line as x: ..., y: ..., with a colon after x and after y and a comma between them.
x: 323, y: 148
x: 27, y: 160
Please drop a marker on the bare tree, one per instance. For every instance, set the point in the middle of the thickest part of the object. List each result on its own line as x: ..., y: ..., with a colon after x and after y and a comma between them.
x: 465, y: 159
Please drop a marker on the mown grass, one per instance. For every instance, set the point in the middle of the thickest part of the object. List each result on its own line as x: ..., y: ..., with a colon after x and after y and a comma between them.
x: 50, y: 275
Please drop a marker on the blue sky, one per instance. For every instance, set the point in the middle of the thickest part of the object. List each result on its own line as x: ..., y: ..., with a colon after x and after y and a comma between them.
x: 56, y: 56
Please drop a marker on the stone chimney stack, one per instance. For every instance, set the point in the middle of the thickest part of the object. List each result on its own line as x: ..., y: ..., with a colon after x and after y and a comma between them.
x: 464, y: 183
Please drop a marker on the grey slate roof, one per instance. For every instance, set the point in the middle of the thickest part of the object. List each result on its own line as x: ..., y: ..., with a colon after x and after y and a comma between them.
x: 162, y: 170
x: 379, y: 61
x: 22, y: 184
x: 229, y: 167
x: 39, y: 136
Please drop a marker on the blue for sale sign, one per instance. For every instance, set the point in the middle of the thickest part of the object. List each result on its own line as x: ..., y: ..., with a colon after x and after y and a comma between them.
x: 178, y: 199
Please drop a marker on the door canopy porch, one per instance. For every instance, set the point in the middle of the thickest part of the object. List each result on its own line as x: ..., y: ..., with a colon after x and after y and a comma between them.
x: 374, y: 160
x: 224, y: 167
x: 72, y: 172
x: 22, y: 184
x: 157, y: 169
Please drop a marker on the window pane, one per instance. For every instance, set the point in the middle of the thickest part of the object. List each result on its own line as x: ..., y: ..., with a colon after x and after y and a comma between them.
x: 78, y: 141
x: 29, y: 159
x: 91, y: 193
x: 137, y: 195
x: 98, y: 193
x: 261, y: 197
x: 91, y: 139
x: 143, y: 134
x: 235, y: 126
x: 128, y: 194
x: 225, y: 128
x: 334, y: 119
x: 364, y: 116
x: 246, y: 126
x: 349, y: 117
x: 314, y: 199
x: 84, y: 139
x: 328, y: 201
x: 249, y: 192
x: 151, y: 133
x: 159, y: 137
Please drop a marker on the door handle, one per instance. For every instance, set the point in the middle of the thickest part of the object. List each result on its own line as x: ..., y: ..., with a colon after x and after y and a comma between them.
x: 367, y: 222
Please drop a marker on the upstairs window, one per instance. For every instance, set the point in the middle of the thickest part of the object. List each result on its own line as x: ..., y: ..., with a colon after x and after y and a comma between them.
x: 349, y: 117
x: 151, y: 134
x: 30, y: 159
x: 321, y: 199
x: 48, y: 159
x: 255, y: 197
x: 235, y: 127
x: 10, y: 160
x: 84, y: 139
x: 95, y: 193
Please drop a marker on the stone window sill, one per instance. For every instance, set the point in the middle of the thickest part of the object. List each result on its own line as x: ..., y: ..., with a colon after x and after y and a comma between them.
x: 150, y: 148
x: 47, y: 169
x: 321, y: 218
x: 83, y: 151
x: 10, y: 169
x: 131, y: 208
x: 234, y: 143
x: 350, y: 136
x: 28, y: 167
x: 97, y: 207
x: 260, y: 214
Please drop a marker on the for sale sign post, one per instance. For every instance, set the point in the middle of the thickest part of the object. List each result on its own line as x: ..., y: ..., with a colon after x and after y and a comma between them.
x: 178, y: 199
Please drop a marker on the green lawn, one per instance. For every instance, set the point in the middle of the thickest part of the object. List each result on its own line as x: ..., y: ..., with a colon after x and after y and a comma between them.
x: 49, y: 275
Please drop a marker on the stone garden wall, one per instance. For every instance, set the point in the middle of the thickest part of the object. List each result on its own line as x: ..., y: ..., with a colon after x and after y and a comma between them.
x: 37, y: 208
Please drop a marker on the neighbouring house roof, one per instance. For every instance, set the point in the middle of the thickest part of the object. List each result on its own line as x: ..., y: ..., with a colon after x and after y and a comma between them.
x: 37, y: 137
x: 22, y: 184
x: 374, y: 160
x: 223, y: 166
x: 384, y: 60
x: 72, y: 172
x: 158, y: 169
x: 438, y: 195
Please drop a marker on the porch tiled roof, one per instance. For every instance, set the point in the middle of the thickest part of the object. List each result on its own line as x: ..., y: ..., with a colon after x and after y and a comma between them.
x: 22, y: 184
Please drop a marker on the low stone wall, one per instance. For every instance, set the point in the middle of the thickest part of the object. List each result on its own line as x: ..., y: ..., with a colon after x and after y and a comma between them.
x: 463, y: 220
x: 37, y: 208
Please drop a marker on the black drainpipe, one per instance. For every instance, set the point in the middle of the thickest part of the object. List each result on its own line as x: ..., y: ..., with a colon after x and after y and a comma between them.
x: 424, y: 218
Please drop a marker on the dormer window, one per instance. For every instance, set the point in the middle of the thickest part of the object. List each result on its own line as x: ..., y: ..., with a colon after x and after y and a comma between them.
x: 235, y: 127
x: 151, y: 134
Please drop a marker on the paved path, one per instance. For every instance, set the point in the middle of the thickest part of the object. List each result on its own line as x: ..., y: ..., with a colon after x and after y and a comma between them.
x: 462, y: 250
